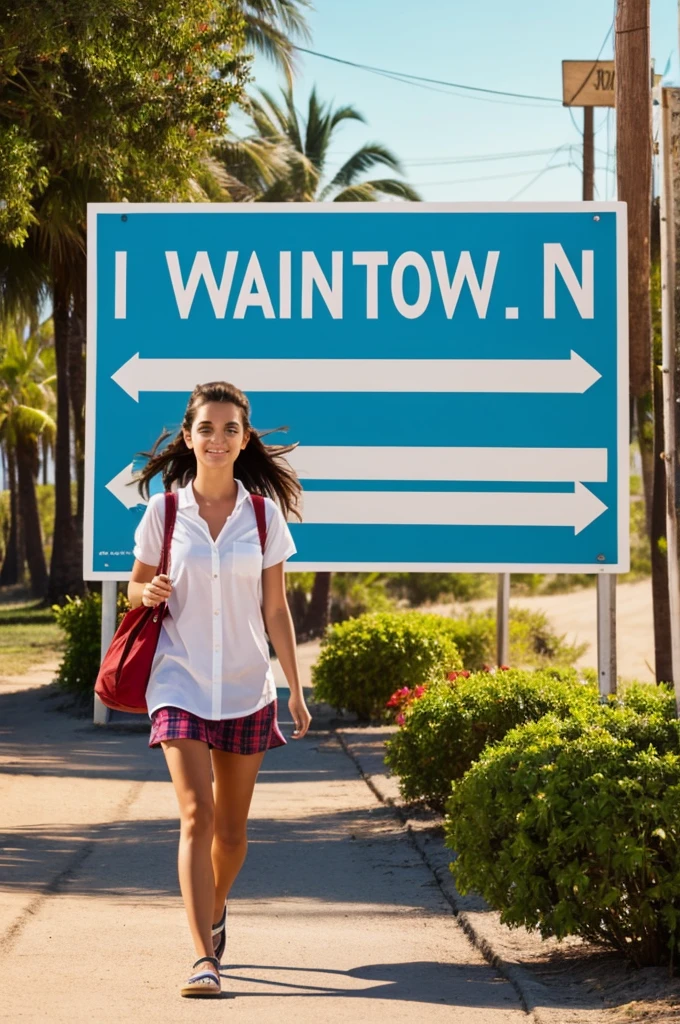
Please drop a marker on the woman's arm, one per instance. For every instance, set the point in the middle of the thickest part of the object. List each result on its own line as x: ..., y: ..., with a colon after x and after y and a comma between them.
x: 144, y: 587
x: 279, y: 623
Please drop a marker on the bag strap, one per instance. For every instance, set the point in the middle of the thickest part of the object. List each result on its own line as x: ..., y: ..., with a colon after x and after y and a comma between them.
x: 170, y: 517
x: 260, y: 516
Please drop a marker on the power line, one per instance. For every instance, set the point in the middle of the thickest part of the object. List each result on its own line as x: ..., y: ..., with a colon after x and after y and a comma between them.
x: 489, y: 177
x: 441, y: 161
x: 540, y: 174
x: 402, y: 75
x: 481, y: 158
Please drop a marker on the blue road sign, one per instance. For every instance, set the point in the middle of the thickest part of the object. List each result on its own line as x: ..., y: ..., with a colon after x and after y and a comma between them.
x: 456, y: 375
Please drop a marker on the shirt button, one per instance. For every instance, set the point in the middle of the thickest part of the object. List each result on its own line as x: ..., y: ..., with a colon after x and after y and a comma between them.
x: 214, y: 575
x: 217, y: 612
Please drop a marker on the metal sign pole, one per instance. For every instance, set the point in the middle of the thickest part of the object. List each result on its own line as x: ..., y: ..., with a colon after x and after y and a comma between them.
x: 606, y: 633
x: 109, y: 598
x: 503, y: 619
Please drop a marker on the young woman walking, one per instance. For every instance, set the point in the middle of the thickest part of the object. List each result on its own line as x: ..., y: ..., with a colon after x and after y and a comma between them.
x: 211, y: 695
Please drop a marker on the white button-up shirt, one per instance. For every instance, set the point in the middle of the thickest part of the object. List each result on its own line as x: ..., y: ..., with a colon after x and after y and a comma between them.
x: 212, y: 656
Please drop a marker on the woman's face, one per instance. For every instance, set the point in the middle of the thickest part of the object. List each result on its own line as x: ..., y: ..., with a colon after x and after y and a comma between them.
x: 217, y: 436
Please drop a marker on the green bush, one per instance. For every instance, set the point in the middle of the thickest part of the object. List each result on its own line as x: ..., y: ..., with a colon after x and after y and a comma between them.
x: 533, y: 642
x: 364, y: 659
x: 572, y: 827
x: 80, y: 619
x: 647, y: 699
x: 447, y: 728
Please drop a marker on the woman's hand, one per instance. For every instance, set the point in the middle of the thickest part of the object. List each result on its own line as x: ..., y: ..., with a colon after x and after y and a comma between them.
x: 158, y: 590
x: 299, y: 714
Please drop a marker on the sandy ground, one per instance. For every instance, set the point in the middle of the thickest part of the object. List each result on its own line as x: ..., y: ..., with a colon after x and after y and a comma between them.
x: 575, y: 615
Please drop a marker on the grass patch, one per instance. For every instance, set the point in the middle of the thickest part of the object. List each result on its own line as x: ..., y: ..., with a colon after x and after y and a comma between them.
x: 28, y: 635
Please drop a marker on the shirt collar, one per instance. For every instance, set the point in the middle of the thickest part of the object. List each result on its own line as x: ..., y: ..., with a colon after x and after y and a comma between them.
x: 187, y: 498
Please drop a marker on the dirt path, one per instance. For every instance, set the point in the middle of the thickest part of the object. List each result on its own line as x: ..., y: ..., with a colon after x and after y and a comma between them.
x: 334, y: 916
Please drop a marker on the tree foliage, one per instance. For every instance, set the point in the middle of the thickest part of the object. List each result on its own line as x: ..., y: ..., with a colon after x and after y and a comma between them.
x: 113, y: 100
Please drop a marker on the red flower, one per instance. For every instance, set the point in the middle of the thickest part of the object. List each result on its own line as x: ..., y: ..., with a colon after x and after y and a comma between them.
x: 400, y: 719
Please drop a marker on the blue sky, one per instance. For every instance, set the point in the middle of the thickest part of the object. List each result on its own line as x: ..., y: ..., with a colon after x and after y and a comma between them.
x: 492, y: 43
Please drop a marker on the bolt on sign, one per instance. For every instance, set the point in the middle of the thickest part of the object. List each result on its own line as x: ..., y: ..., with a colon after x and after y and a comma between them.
x: 588, y: 83
x: 455, y: 374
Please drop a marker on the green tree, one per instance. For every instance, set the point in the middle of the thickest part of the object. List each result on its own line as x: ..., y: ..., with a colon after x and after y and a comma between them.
x: 104, y: 101
x: 26, y: 401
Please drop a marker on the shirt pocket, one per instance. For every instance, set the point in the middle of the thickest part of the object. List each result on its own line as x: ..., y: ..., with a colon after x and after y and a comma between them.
x: 246, y: 559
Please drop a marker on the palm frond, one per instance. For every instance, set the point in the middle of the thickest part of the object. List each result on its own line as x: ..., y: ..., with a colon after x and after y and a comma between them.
x: 398, y: 189
x: 270, y: 41
x: 287, y: 12
x: 271, y: 26
x: 294, y: 131
x: 346, y: 114
x: 361, y: 161
x: 363, y: 193
x: 276, y: 121
x: 317, y: 132
x: 31, y: 422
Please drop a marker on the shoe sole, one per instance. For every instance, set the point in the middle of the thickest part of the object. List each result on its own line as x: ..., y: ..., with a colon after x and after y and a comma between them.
x: 201, y: 992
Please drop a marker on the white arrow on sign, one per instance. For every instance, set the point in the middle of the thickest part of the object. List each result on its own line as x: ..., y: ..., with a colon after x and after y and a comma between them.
x: 523, y: 465
x: 526, y: 465
x: 123, y: 486
x: 535, y: 376
x: 447, y: 508
x: 576, y: 509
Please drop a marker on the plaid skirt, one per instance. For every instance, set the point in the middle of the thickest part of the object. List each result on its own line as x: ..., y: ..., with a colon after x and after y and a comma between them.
x: 249, y: 734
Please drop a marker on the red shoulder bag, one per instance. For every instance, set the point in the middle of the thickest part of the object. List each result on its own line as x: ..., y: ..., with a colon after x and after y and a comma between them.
x: 124, y: 672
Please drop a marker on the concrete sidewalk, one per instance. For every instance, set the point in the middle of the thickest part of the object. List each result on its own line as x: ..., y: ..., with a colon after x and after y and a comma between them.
x: 334, y: 916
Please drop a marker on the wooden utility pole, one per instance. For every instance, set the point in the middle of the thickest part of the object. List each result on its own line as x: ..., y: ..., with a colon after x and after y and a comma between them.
x: 670, y: 326
x: 588, y: 155
x: 634, y: 170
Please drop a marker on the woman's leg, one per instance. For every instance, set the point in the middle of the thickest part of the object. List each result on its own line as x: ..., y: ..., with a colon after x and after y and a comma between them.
x: 235, y: 776
x: 189, y: 765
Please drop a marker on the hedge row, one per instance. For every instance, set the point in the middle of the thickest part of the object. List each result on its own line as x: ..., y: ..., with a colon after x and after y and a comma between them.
x: 363, y: 660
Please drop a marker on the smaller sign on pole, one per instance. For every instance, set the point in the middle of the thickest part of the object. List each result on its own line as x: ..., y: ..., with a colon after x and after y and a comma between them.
x: 588, y: 83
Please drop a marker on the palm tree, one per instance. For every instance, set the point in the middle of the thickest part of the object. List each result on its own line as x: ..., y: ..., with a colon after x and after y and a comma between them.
x: 26, y: 401
x: 52, y: 261
x: 285, y: 157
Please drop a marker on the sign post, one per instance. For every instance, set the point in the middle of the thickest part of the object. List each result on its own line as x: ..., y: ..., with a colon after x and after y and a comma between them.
x: 455, y: 374
x: 591, y: 84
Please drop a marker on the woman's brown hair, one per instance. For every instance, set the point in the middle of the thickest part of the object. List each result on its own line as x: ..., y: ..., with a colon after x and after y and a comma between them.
x: 258, y: 466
